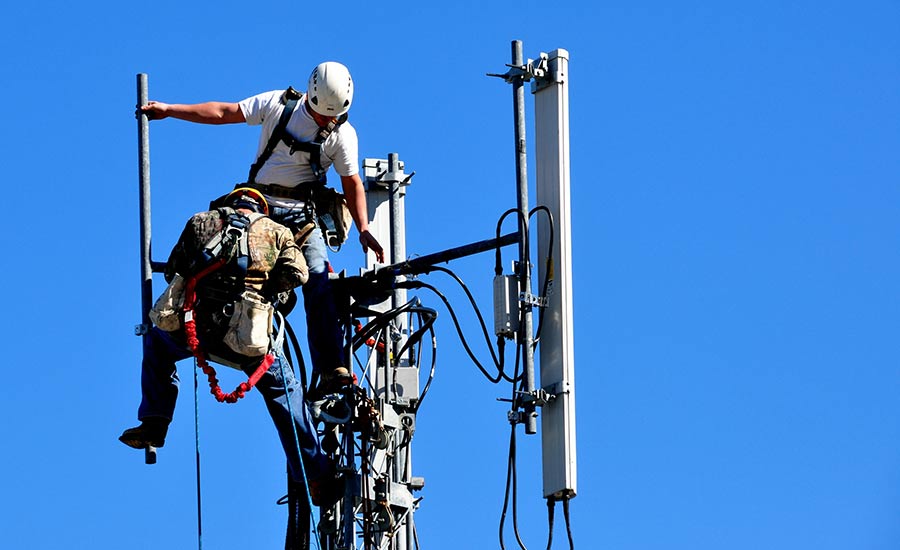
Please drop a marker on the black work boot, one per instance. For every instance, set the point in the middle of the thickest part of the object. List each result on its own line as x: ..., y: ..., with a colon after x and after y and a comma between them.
x: 151, y: 433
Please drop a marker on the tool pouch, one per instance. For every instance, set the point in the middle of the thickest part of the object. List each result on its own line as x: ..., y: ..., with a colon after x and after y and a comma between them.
x: 333, y: 215
x: 250, y: 326
x: 167, y: 312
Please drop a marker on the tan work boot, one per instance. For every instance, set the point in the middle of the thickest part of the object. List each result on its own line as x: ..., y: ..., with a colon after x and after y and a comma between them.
x: 337, y: 378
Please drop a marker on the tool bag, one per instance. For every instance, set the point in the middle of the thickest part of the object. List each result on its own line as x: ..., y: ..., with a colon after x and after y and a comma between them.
x: 250, y: 329
x: 333, y: 216
x: 167, y: 311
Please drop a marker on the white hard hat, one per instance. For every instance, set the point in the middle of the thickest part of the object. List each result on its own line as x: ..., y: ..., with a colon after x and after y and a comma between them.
x: 330, y: 90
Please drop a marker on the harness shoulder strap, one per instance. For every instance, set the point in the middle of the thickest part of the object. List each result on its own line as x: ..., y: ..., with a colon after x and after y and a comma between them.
x: 290, y: 99
x: 232, y: 243
x: 239, y: 229
x: 314, y: 147
x: 329, y: 128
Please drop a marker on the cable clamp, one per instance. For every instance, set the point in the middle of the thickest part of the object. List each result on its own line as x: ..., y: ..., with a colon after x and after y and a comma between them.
x: 532, y: 69
x: 515, y: 417
x: 557, y: 389
x: 537, y: 397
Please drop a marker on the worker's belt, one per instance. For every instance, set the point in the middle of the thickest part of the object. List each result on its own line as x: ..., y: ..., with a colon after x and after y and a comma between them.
x: 293, y: 207
x: 302, y: 192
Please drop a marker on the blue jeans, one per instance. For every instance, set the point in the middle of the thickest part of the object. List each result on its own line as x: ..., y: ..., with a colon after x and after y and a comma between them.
x: 159, y: 389
x: 323, y: 329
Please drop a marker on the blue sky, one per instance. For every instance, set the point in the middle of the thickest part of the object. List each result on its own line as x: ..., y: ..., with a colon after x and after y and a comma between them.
x: 736, y: 214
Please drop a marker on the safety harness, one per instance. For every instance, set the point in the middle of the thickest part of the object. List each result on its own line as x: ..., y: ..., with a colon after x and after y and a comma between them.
x: 280, y: 134
x: 232, y: 242
x: 230, y: 246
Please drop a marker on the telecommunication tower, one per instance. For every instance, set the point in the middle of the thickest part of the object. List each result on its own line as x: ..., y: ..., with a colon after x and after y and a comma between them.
x: 373, y: 445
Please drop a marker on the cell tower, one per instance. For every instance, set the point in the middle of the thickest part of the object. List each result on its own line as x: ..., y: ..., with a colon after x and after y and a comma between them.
x: 386, y: 333
x: 379, y: 511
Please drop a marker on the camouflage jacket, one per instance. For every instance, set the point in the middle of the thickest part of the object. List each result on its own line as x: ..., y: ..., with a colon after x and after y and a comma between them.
x: 275, y: 264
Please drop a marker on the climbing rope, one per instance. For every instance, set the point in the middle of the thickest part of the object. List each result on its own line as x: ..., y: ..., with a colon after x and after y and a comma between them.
x: 197, y: 456
x: 287, y: 398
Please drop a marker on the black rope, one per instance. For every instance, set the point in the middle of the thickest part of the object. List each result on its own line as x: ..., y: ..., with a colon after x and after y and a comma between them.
x: 366, y: 496
x: 431, y: 374
x: 420, y: 284
x: 380, y: 322
x: 498, y: 265
x: 510, y: 464
x: 517, y: 403
x: 197, y: 455
x: 515, y: 491
x: 308, y: 504
x: 301, y: 364
x: 417, y: 335
x: 568, y: 525
x: 548, y: 270
x: 508, y: 481
x: 497, y: 362
x: 551, y: 504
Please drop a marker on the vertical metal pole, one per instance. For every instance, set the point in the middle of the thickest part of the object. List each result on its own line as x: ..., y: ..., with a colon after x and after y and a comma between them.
x: 527, y: 344
x: 144, y: 179
x: 396, y: 251
x: 348, y: 516
x: 399, y: 297
x: 410, y: 521
x: 395, y: 218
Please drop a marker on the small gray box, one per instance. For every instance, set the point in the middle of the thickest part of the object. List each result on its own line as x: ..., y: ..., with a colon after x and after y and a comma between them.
x: 406, y: 383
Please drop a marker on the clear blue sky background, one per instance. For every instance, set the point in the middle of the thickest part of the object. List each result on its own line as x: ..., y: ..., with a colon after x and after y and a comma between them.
x: 736, y: 214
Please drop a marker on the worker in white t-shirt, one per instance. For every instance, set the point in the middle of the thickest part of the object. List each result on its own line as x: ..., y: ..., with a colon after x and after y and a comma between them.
x: 317, y: 137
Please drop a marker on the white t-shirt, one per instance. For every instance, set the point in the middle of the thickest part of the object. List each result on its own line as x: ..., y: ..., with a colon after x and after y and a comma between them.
x: 340, y: 149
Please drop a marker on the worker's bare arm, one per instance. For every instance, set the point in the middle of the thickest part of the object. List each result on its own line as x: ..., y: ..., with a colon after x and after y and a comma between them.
x: 356, y: 202
x: 211, y: 112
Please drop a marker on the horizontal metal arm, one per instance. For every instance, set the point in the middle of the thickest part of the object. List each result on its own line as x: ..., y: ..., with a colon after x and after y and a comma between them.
x: 423, y: 264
